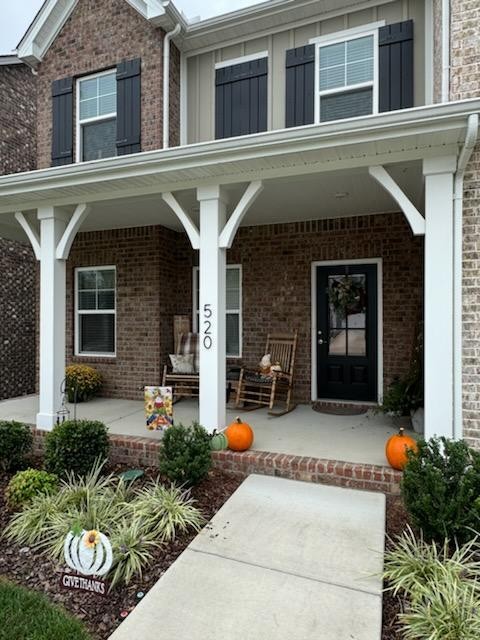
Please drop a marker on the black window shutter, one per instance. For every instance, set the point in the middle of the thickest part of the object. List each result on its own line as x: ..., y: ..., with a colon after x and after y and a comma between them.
x: 128, y: 107
x: 62, y: 122
x: 300, y: 99
x: 396, y: 66
x: 241, y: 99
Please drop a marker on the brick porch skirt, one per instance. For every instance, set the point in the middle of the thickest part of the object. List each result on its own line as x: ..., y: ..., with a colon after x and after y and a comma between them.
x: 143, y: 452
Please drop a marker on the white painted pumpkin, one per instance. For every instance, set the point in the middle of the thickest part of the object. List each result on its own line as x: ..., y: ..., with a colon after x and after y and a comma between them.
x: 88, y: 559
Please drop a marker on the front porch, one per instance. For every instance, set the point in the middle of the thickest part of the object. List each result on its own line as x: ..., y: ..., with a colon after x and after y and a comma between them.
x: 304, y: 444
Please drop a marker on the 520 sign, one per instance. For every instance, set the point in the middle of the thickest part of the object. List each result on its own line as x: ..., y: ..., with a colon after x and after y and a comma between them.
x: 207, y: 326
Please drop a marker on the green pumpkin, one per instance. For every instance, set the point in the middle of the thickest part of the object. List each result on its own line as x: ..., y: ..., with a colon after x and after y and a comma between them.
x: 218, y: 442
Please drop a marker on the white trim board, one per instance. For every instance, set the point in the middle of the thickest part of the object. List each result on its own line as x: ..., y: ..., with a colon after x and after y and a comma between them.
x: 252, y: 56
x: 333, y: 263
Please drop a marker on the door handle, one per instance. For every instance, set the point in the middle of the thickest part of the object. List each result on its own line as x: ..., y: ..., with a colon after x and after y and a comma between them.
x: 320, y: 341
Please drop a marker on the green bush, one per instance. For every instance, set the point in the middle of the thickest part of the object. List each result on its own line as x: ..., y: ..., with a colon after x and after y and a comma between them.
x: 440, y: 488
x: 16, y: 443
x: 75, y: 446
x: 440, y: 590
x: 25, y: 485
x: 185, y: 456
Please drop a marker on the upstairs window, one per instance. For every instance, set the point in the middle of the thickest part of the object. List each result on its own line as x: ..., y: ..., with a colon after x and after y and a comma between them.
x: 347, y: 78
x: 97, y: 116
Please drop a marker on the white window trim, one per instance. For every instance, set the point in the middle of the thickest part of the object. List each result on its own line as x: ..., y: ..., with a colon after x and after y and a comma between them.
x: 238, y: 312
x: 343, y: 36
x: 241, y: 60
x: 113, y: 312
x: 313, y: 280
x: 78, y: 122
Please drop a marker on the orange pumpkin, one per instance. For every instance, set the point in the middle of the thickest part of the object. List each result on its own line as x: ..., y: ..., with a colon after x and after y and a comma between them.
x: 396, y: 449
x: 239, y: 435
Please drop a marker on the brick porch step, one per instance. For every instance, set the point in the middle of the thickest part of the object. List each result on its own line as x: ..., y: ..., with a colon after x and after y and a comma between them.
x: 144, y: 452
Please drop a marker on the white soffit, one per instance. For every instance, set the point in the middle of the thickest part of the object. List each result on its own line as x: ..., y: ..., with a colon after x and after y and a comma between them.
x: 54, y: 13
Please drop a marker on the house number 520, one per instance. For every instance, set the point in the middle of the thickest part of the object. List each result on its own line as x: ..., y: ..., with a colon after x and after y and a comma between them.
x: 207, y: 326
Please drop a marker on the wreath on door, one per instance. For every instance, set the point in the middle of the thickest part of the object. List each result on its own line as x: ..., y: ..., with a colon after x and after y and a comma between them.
x: 346, y: 294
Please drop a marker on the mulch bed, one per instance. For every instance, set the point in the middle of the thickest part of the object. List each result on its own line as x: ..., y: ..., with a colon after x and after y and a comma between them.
x: 103, y: 615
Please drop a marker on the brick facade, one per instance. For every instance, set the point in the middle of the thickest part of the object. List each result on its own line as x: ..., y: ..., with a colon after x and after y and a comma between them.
x: 97, y: 36
x: 17, y: 263
x: 154, y: 274
x: 465, y: 83
x: 17, y: 319
x: 17, y: 119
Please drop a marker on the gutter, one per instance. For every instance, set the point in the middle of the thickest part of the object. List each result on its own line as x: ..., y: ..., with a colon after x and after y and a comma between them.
x: 445, y: 50
x: 465, y: 155
x: 166, y: 83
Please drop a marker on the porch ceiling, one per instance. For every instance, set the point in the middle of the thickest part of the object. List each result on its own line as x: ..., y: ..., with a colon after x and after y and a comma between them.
x: 309, y: 172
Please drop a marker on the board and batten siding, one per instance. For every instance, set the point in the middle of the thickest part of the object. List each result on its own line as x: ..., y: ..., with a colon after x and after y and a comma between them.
x: 201, y: 68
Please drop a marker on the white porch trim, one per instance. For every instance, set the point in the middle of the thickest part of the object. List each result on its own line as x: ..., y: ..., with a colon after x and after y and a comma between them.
x: 79, y: 216
x: 31, y: 233
x: 252, y: 192
x: 439, y: 296
x: 414, y: 217
x: 313, y: 280
x: 188, y: 224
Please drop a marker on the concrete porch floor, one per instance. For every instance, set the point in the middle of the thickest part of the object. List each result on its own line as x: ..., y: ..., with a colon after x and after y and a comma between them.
x: 303, y: 432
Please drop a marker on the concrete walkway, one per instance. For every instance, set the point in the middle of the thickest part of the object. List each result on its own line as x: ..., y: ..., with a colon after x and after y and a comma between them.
x: 282, y: 560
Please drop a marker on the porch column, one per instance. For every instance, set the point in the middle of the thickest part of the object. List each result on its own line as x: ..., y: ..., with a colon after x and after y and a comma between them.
x: 212, y: 331
x: 52, y: 316
x: 438, y: 329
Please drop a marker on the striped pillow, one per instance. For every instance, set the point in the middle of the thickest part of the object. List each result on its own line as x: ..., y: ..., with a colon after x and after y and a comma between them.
x: 190, y: 344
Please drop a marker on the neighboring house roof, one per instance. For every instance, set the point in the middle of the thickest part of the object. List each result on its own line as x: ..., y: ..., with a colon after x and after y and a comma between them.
x: 244, y: 23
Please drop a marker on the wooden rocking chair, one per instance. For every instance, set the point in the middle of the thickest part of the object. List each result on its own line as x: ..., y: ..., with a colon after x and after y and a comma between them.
x: 256, y: 390
x: 184, y: 385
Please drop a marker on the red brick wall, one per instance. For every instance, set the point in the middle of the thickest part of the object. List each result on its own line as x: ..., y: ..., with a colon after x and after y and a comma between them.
x: 17, y: 119
x: 145, y: 259
x: 97, y: 36
x: 154, y: 272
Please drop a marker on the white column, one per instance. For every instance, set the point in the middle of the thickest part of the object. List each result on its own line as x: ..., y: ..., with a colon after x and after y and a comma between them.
x: 438, y: 330
x: 52, y: 316
x: 212, y: 330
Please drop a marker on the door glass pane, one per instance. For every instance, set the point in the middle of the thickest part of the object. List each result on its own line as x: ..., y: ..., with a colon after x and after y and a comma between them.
x: 357, y: 345
x: 337, y: 342
x: 357, y: 304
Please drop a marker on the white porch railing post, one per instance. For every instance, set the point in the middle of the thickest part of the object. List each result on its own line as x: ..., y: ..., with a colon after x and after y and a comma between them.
x: 438, y: 329
x: 52, y: 316
x: 212, y: 330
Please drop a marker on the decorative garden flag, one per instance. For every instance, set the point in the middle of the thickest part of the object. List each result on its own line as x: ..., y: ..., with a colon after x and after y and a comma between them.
x: 158, y: 408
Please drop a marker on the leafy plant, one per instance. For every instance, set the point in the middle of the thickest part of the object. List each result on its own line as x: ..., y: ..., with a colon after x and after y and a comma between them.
x: 166, y: 510
x: 132, y: 550
x: 441, y: 590
x: 16, y: 442
x: 82, y: 382
x: 185, y: 456
x: 76, y: 446
x: 440, y: 487
x: 25, y: 485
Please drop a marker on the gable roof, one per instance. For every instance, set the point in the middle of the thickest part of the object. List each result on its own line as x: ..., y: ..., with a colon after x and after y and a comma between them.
x: 54, y: 13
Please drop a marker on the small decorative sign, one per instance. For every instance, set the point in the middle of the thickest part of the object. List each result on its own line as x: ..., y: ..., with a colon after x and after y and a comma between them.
x: 89, y: 554
x: 158, y: 408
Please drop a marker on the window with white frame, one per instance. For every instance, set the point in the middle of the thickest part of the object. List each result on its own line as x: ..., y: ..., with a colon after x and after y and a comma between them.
x: 97, y: 116
x: 233, y: 304
x: 95, y: 305
x: 347, y: 77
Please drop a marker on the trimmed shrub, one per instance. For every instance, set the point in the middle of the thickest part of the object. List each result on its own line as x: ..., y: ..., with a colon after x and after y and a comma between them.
x: 440, y: 488
x: 75, y: 446
x: 26, y: 485
x: 16, y: 443
x: 86, y: 380
x: 185, y: 456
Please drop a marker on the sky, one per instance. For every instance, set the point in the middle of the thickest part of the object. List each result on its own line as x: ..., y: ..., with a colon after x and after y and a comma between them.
x: 16, y: 16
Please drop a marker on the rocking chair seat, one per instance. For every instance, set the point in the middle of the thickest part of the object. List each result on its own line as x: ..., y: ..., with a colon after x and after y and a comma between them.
x: 259, y: 378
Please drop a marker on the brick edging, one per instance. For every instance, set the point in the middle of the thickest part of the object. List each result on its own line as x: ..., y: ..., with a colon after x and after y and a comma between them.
x: 144, y: 452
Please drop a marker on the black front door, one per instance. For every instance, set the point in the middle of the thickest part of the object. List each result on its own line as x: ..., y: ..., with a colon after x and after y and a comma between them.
x: 347, y: 332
